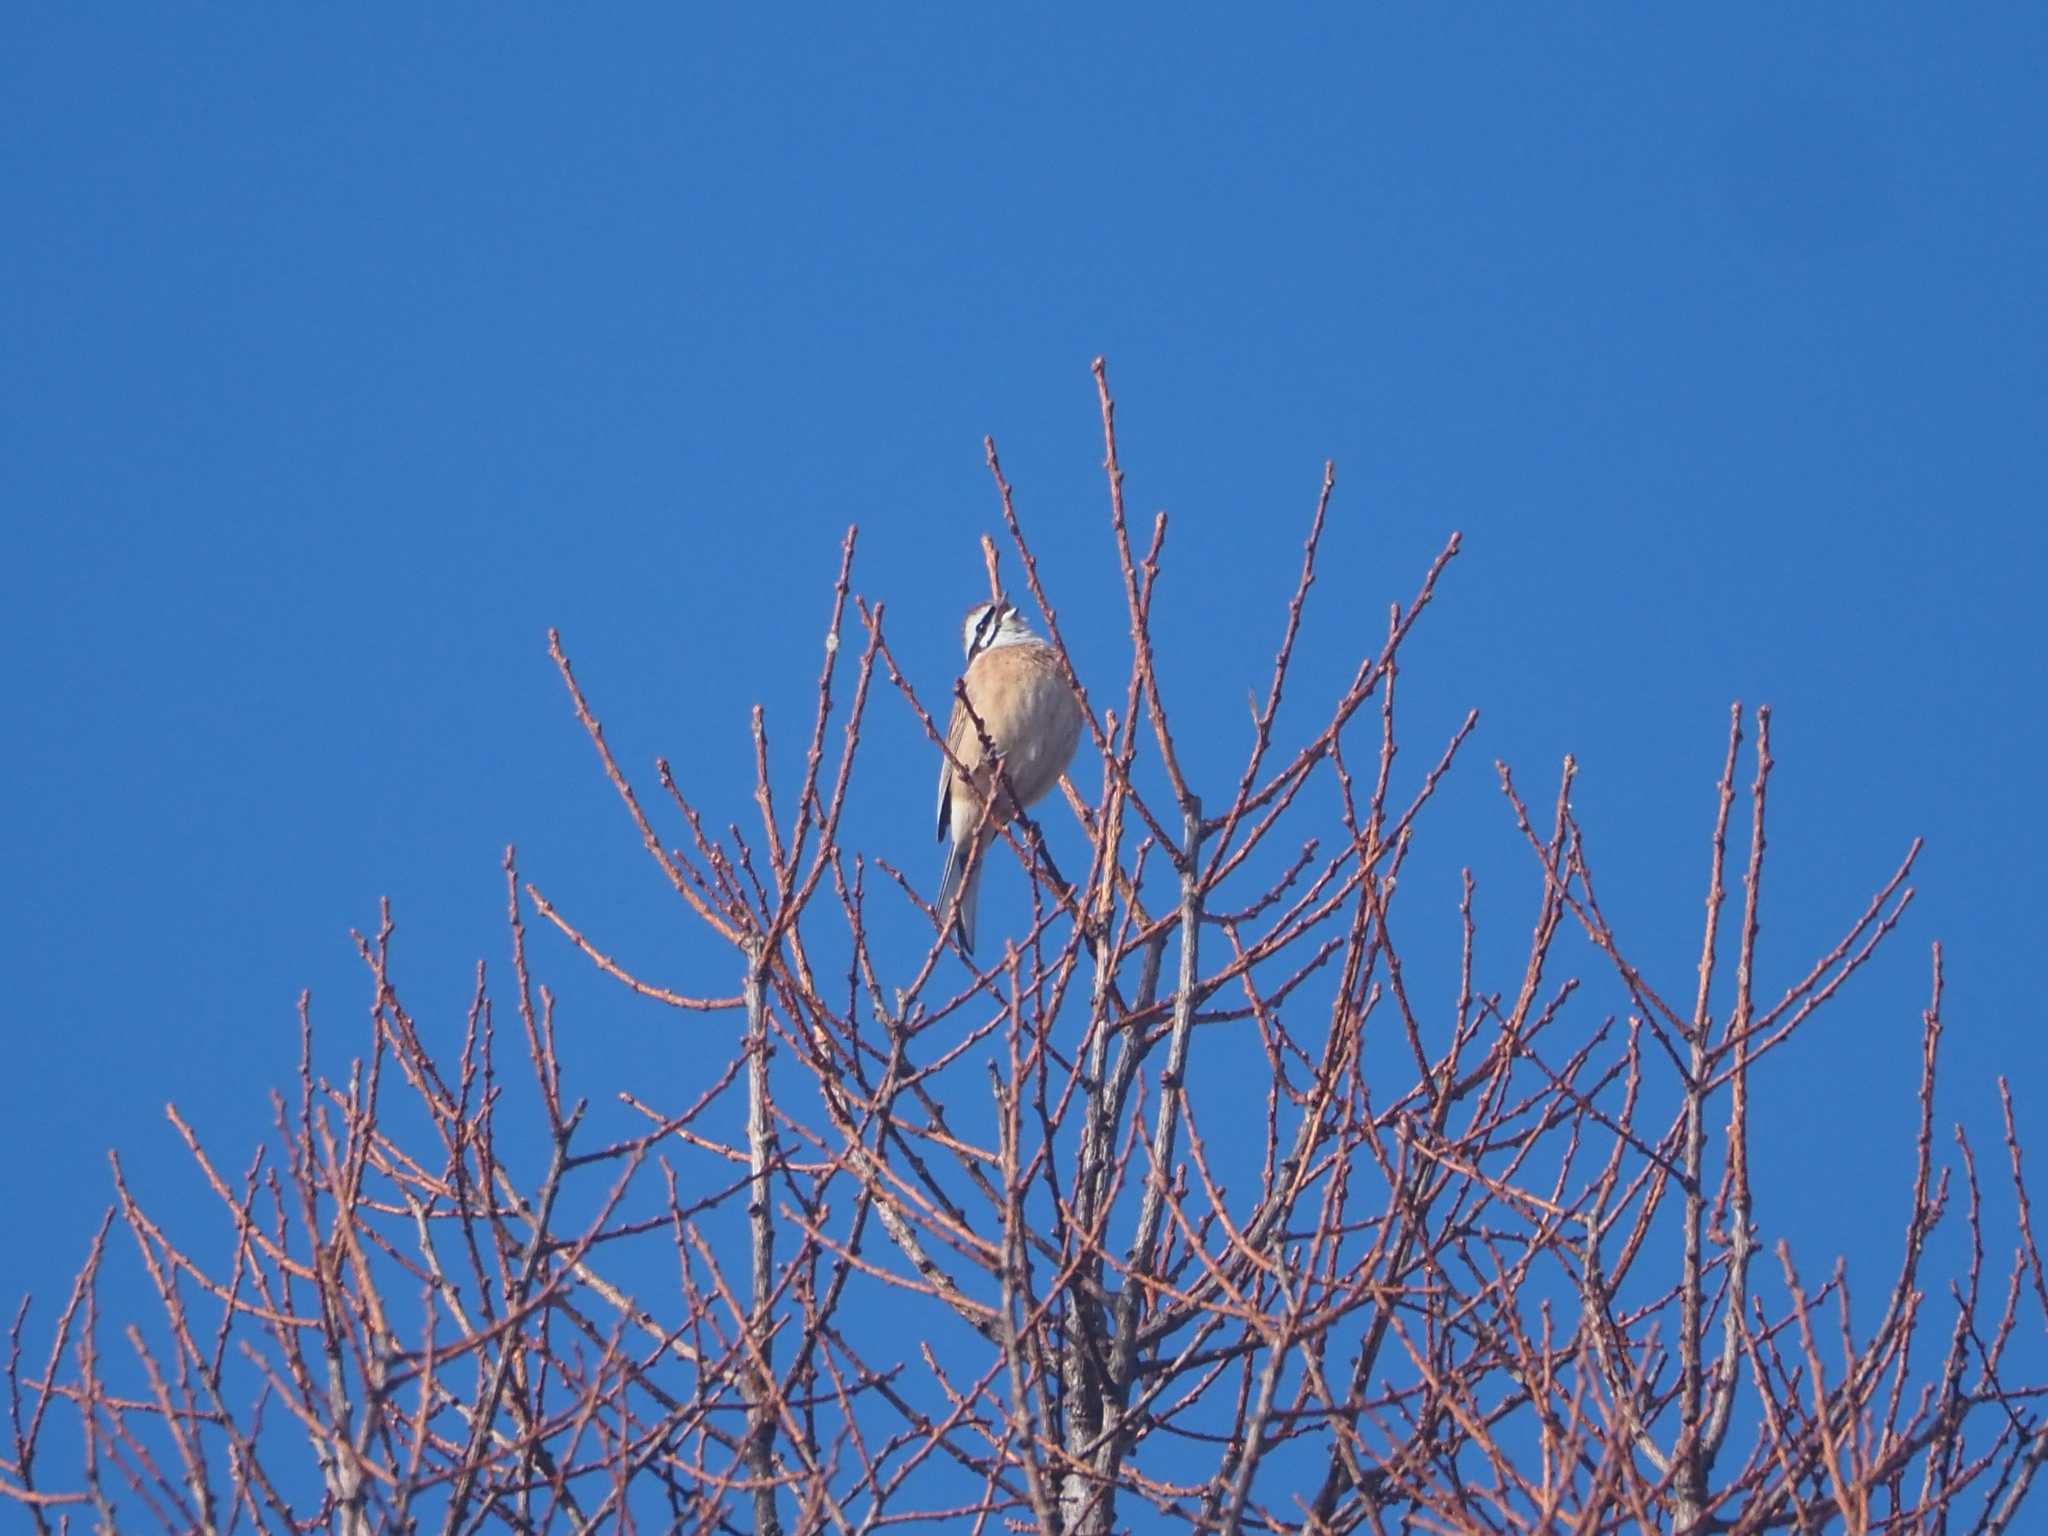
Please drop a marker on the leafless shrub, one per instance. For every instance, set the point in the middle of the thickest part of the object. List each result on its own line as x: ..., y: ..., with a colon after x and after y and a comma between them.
x: 1008, y: 1257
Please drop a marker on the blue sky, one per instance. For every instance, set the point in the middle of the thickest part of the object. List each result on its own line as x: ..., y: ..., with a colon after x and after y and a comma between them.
x: 346, y: 353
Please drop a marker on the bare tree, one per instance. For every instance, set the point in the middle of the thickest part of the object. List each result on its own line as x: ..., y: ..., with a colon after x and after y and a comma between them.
x: 1186, y: 1211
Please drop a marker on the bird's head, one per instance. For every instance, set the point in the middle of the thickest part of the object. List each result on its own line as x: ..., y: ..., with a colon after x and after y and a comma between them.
x: 991, y: 624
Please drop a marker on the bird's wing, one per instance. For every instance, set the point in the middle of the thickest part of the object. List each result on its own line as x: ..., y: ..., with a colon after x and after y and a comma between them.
x: 959, y: 731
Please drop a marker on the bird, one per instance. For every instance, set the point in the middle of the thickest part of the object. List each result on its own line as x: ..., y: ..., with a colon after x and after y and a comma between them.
x: 1033, y: 720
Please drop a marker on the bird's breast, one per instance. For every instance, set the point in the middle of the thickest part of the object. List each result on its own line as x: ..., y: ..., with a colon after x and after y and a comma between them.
x: 1032, y: 716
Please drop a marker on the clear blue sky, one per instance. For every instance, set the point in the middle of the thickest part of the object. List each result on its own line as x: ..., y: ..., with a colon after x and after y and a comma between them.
x: 342, y: 354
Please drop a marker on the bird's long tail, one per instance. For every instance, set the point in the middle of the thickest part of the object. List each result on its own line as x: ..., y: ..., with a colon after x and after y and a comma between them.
x: 962, y: 878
